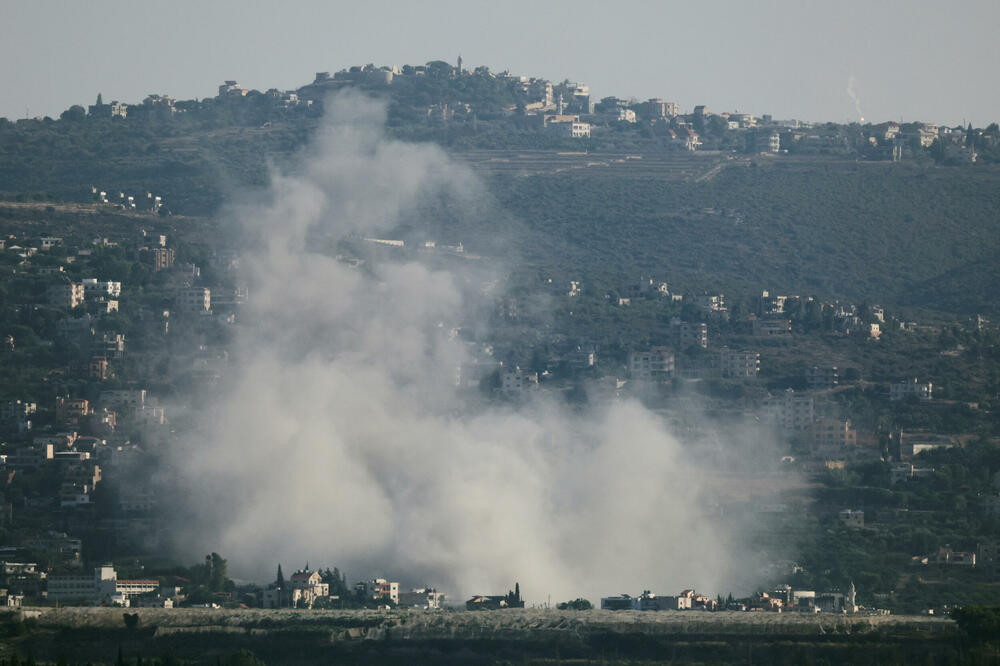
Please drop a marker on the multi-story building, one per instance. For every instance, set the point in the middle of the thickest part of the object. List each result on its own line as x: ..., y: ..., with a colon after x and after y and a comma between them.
x: 790, y: 411
x: 770, y: 328
x: 656, y: 365
x: 71, y: 411
x: 822, y: 377
x: 305, y: 587
x: 735, y: 364
x: 687, y: 333
x: 834, y: 433
x: 422, y: 598
x: 65, y: 294
x: 514, y: 380
x: 95, y: 288
x: 378, y: 588
x: 194, y: 299
x: 162, y: 258
x: 103, y: 585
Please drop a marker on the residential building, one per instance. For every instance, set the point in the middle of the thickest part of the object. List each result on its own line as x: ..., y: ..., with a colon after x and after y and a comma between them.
x: 911, y: 387
x: 422, y: 598
x: 95, y: 288
x: 124, y: 399
x: 306, y: 586
x: 655, y: 365
x: 901, y: 472
x: 770, y: 328
x: 515, y: 381
x: 379, y: 588
x: 822, y: 377
x: 686, y: 334
x: 713, y: 304
x: 833, y: 434
x: 790, y: 411
x: 946, y: 555
x: 65, y: 294
x: 852, y: 517
x: 162, y: 258
x: 194, y: 299
x: 735, y: 364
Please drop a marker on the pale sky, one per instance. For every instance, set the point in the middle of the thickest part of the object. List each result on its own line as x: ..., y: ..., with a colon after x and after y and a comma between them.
x: 915, y: 60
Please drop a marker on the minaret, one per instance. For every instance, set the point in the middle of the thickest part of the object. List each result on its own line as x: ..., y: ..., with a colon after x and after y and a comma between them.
x: 852, y: 607
x: 560, y: 105
x: 460, y: 64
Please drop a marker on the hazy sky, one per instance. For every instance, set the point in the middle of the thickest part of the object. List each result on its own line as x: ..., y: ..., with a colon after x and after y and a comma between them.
x: 919, y: 60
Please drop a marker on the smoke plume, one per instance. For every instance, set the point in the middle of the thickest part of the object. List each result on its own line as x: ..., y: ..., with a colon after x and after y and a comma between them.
x: 854, y: 98
x: 341, y: 438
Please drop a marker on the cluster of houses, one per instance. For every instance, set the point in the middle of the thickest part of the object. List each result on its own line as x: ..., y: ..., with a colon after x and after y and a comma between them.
x: 784, y: 598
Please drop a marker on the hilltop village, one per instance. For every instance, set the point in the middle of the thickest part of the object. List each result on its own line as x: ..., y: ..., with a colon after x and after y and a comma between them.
x: 120, y: 298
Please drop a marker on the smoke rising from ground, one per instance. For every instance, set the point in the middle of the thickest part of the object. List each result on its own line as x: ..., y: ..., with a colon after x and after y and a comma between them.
x: 341, y: 439
x: 854, y: 98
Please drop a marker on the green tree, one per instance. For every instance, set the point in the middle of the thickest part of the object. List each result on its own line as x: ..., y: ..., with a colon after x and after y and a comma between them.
x: 74, y: 114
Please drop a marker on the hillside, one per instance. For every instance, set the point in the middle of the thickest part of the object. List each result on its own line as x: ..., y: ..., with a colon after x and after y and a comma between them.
x: 884, y: 232
x: 604, y: 210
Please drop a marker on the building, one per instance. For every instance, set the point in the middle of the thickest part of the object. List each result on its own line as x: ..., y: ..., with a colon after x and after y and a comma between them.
x: 655, y: 365
x: 305, y: 587
x: 195, y: 299
x: 496, y: 602
x: 911, y: 387
x: 161, y: 258
x: 946, y: 555
x: 379, y: 588
x: 834, y: 434
x: 735, y: 364
x: 573, y: 129
x: 822, y: 377
x: 852, y: 517
x: 423, y: 599
x: 103, y: 585
x: 649, y: 601
x: 687, y: 334
x: 790, y: 411
x: 70, y: 411
x: 65, y: 294
x: 515, y: 381
x: 771, y: 328
x: 92, y: 287
x: 901, y: 472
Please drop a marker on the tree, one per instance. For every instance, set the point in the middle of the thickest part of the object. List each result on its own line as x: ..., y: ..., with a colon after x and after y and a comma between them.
x: 981, y: 623
x: 74, y: 114
x: 100, y: 100
x: 280, y: 580
x: 576, y: 604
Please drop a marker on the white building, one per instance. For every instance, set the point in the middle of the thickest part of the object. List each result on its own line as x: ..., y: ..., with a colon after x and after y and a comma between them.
x: 102, y: 585
x: 94, y: 287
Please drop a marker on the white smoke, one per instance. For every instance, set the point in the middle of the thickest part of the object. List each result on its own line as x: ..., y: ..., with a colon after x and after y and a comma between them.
x: 854, y: 98
x: 341, y: 439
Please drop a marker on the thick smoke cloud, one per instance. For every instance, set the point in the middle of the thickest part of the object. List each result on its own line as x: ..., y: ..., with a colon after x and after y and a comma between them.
x: 341, y: 439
